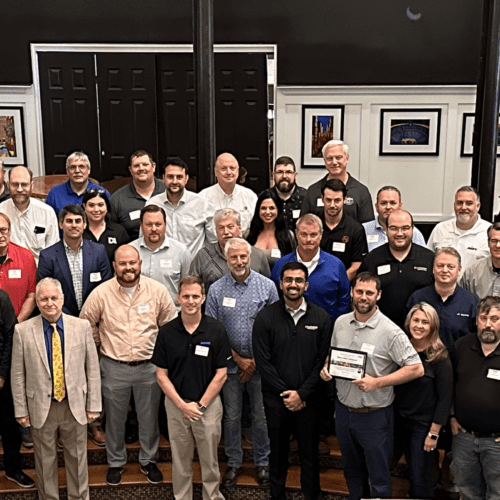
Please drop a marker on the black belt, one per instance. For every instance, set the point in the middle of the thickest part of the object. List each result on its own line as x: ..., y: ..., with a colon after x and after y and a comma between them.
x: 131, y: 363
x: 364, y: 409
x: 484, y: 435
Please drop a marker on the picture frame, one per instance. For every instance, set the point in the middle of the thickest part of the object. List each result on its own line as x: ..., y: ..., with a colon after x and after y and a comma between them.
x: 410, y: 132
x: 12, y: 139
x: 466, y: 148
x: 320, y: 124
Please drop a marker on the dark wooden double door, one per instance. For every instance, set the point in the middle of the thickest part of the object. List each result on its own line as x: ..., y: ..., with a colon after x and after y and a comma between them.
x: 111, y: 104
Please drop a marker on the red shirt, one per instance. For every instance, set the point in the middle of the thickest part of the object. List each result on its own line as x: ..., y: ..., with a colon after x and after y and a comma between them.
x: 18, y: 275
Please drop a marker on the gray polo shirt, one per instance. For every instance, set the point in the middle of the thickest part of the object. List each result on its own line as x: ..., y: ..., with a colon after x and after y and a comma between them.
x: 388, y: 349
x: 481, y: 279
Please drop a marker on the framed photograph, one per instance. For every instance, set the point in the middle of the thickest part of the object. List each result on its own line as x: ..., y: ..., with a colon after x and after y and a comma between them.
x: 467, y: 132
x: 12, y: 142
x: 407, y: 132
x: 347, y: 364
x: 320, y: 124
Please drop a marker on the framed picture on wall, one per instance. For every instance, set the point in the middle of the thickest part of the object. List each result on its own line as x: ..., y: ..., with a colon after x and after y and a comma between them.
x: 467, y: 133
x: 320, y: 124
x: 12, y: 142
x: 406, y: 132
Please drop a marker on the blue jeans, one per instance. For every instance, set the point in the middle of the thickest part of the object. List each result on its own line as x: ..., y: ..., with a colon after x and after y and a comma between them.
x: 365, y: 440
x: 477, y: 463
x: 233, y: 403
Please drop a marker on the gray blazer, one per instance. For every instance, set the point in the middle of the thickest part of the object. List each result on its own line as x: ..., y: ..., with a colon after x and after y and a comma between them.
x: 30, y: 373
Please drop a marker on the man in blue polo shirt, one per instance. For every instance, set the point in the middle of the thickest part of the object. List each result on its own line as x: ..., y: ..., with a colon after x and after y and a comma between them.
x: 71, y: 192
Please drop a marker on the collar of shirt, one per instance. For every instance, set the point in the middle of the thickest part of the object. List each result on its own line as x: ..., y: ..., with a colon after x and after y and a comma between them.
x: 372, y: 322
x: 314, y: 260
x: 121, y: 289
x: 25, y: 212
x: 165, y: 244
x: 301, y: 308
x: 476, y: 346
x: 47, y: 328
x: 7, y: 256
x: 221, y: 193
x: 378, y: 225
x: 475, y: 229
x: 69, y: 249
x: 182, y: 201
x: 282, y: 196
x: 245, y: 282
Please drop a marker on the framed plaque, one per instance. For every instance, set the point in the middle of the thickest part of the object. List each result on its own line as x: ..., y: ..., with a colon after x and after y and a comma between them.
x: 346, y: 363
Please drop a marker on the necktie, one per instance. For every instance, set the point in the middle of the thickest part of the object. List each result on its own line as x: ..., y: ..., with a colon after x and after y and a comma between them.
x: 57, y: 365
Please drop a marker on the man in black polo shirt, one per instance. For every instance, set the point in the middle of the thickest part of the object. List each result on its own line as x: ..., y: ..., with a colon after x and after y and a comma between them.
x: 402, y: 266
x: 191, y: 357
x: 343, y: 236
x: 476, y: 423
x: 290, y: 344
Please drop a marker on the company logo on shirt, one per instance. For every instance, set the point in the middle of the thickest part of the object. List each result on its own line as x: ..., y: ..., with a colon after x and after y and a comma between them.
x: 345, y: 239
x: 349, y: 200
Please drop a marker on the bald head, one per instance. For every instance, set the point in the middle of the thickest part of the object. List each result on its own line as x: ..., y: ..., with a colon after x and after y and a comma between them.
x: 127, y: 266
x: 226, y: 171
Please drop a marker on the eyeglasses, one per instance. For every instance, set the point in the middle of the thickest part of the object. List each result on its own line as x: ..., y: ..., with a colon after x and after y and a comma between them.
x: 288, y: 280
x: 403, y: 229
x: 282, y: 173
x: 4, y: 230
x: 494, y: 242
x: 16, y: 185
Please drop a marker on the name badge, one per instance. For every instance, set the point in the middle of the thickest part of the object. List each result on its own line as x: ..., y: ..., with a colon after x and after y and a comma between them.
x: 14, y: 274
x: 95, y: 277
x: 320, y: 203
x: 228, y: 302
x: 143, y: 308
x: 112, y: 241
x: 135, y: 215
x: 338, y: 246
x: 384, y: 269
x: 275, y: 252
x: 165, y: 263
x: 201, y: 350
x: 368, y: 348
x: 372, y: 238
x: 495, y: 374
x: 417, y: 268
x: 295, y: 214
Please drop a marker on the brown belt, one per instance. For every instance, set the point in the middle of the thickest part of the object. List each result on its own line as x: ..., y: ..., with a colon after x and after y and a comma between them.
x: 364, y: 409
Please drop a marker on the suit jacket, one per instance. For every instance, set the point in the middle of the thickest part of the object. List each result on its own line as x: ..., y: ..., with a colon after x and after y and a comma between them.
x: 96, y: 270
x: 30, y: 373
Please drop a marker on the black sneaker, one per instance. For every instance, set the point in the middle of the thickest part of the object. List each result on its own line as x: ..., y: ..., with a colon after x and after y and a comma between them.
x: 114, y: 476
x: 152, y: 472
x: 21, y: 479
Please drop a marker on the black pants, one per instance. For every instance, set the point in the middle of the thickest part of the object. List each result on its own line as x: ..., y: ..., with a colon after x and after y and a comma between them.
x: 281, y: 423
x: 9, y: 429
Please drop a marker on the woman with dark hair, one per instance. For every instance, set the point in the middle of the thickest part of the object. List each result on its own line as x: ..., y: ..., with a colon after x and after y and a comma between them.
x: 268, y: 230
x: 100, y: 228
x: 423, y: 405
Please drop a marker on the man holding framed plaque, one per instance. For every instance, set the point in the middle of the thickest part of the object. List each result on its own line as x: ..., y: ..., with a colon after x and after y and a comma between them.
x: 364, y: 414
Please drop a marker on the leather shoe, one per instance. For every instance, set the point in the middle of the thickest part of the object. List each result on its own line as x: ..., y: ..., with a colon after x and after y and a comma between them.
x: 230, y: 476
x: 263, y: 476
x: 21, y: 479
x: 97, y: 436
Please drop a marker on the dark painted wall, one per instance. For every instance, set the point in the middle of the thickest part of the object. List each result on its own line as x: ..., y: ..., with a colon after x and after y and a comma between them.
x: 320, y: 42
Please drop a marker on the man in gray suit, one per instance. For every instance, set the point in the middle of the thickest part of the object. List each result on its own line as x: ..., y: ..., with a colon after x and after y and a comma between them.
x: 56, y: 386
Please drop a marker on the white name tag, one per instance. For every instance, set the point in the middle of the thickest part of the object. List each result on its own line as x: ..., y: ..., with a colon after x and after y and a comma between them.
x: 384, y: 269
x: 143, y: 308
x: 95, y: 277
x: 495, y: 374
x: 295, y: 214
x: 14, y: 274
x: 320, y: 203
x: 338, y: 246
x: 165, y: 263
x: 228, y: 302
x: 275, y: 252
x: 201, y: 350
x: 135, y: 214
x: 368, y: 348
x: 372, y: 238
x: 112, y: 241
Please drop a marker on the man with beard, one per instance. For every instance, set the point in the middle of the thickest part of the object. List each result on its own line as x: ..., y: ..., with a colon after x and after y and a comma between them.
x: 189, y: 215
x: 388, y: 199
x: 125, y: 314
x: 401, y: 266
x: 290, y: 343
x: 33, y: 223
x: 285, y: 186
x: 235, y: 300
x: 343, y: 236
x: 476, y: 422
x: 466, y: 232
x: 364, y: 413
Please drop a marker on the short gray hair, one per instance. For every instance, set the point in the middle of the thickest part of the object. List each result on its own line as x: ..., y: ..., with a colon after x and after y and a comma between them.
x: 78, y: 155
x: 45, y: 281
x: 224, y: 213
x: 309, y: 220
x: 449, y: 251
x: 235, y: 243
x: 335, y: 142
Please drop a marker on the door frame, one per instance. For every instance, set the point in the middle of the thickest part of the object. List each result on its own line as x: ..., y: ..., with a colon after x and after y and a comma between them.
x: 271, y: 50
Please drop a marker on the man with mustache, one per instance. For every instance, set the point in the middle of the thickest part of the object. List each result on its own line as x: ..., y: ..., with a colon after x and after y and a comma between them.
x: 476, y: 422
x: 466, y: 232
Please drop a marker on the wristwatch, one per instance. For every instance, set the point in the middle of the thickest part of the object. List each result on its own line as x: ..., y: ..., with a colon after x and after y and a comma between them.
x: 433, y: 436
x: 201, y: 407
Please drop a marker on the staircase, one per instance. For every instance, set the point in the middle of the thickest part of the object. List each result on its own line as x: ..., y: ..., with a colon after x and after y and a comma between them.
x: 135, y: 485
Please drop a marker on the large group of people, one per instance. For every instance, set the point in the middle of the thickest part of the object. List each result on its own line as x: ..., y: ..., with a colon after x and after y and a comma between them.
x: 289, y: 311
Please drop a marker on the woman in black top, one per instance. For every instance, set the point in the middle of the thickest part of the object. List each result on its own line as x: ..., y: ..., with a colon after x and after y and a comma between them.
x: 423, y: 405
x: 268, y: 230
x: 100, y: 228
